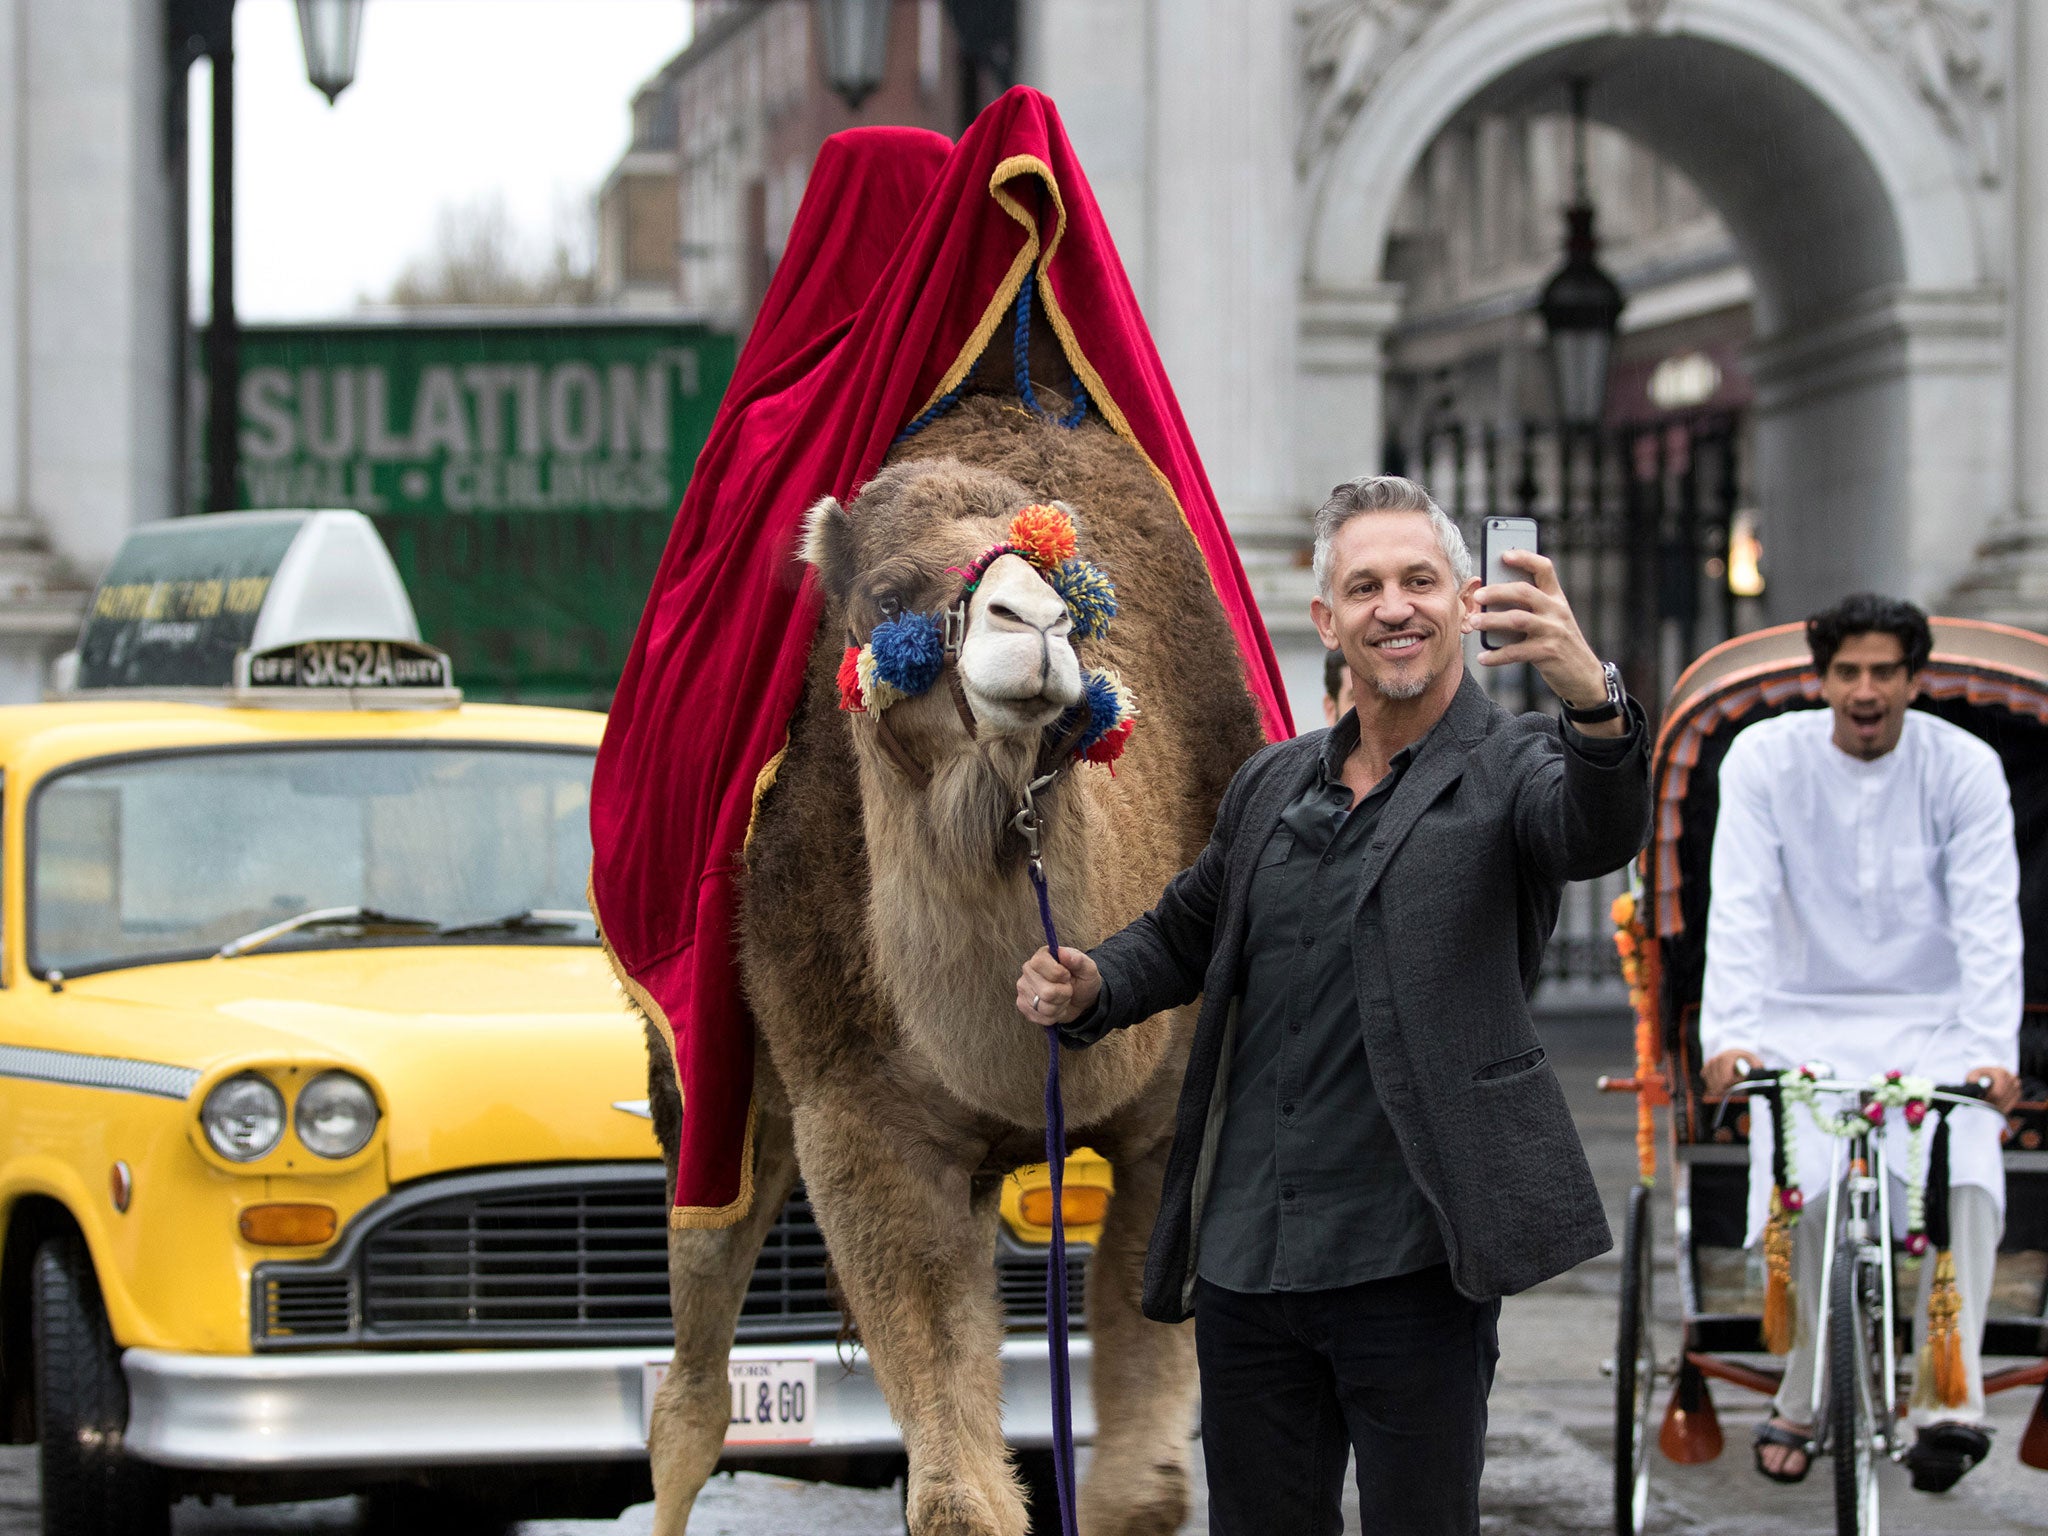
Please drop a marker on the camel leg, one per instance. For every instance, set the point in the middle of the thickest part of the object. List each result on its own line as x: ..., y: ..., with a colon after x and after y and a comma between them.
x: 1144, y: 1375
x: 708, y: 1271
x: 913, y: 1247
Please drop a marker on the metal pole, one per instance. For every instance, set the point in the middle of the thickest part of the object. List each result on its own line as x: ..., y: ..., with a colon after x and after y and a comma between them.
x: 223, y: 338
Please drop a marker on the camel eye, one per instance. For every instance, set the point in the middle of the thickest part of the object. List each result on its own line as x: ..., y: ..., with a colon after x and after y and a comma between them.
x: 890, y: 608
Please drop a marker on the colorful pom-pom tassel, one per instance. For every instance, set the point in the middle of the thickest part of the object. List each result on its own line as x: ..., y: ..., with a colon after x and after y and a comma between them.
x: 1088, y: 594
x: 1109, y: 704
x: 909, y: 652
x: 1111, y: 745
x: 1044, y: 535
x: 875, y: 690
x: 850, y: 698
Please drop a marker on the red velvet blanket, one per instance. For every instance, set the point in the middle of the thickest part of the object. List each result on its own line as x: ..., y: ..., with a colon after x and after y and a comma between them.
x: 899, y: 269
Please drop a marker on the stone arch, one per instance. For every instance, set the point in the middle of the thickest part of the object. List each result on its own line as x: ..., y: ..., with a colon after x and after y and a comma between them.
x: 1871, y: 241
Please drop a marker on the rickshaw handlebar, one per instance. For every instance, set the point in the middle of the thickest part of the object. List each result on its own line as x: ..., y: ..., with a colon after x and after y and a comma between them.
x: 1953, y: 1093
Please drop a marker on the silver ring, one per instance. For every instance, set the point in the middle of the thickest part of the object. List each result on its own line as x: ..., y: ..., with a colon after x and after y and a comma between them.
x: 1034, y: 1002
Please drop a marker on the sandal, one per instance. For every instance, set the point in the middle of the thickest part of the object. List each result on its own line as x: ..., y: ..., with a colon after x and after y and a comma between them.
x: 1771, y: 1432
x: 1943, y: 1453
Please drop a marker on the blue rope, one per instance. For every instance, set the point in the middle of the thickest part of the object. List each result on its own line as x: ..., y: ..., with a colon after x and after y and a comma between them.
x: 938, y: 408
x: 1020, y: 363
x: 1056, y: 1272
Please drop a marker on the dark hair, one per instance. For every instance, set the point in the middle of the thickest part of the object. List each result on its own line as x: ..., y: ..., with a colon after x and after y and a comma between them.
x: 1869, y: 613
x: 1333, y: 673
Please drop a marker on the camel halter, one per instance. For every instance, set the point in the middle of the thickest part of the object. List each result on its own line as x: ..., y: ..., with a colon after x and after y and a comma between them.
x: 907, y: 656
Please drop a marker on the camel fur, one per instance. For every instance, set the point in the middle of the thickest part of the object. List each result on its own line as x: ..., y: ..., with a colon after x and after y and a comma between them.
x: 881, y: 934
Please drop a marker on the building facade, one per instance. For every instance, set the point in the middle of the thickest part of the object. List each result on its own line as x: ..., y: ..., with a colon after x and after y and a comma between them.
x: 89, y: 310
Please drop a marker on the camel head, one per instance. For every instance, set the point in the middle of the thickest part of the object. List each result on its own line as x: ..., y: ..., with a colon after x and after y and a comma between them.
x: 963, y: 602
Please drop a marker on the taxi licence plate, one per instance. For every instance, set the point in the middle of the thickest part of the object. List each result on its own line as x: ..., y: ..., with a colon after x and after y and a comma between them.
x: 769, y: 1402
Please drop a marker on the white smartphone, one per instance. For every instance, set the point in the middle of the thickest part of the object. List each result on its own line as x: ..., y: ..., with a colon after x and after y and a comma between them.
x: 1500, y: 535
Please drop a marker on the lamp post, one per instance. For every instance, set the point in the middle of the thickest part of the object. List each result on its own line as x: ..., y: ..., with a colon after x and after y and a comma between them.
x: 1581, y: 305
x: 329, y: 31
x: 854, y: 41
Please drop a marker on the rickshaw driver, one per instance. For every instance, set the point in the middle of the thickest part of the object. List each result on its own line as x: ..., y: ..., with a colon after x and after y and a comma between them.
x: 1864, y: 912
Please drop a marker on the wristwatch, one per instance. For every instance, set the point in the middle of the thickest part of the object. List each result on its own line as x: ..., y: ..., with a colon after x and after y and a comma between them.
x: 1607, y: 708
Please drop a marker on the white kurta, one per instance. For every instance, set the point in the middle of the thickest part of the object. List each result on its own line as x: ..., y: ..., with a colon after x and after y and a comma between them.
x: 1865, y: 915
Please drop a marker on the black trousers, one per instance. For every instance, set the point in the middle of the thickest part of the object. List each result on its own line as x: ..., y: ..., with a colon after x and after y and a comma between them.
x: 1397, y: 1370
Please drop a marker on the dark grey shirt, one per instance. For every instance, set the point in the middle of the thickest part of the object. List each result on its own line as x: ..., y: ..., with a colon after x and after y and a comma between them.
x: 1310, y: 1189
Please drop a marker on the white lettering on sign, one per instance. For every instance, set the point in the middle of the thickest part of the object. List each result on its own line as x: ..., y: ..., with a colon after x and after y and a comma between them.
x: 347, y: 664
x: 327, y: 411
x: 440, y: 424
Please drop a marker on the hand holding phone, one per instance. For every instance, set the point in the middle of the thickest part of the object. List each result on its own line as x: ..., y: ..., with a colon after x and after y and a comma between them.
x: 1500, y: 535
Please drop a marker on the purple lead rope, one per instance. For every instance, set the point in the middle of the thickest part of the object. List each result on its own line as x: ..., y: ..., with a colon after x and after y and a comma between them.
x: 1056, y: 1272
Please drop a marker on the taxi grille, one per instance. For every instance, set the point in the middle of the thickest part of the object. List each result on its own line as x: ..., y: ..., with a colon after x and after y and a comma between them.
x: 564, y: 1256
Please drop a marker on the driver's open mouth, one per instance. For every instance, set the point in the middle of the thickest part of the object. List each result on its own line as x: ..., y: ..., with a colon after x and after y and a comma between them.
x: 1399, y: 644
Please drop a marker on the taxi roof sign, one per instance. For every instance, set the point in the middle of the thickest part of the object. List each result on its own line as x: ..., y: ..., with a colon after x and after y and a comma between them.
x: 186, y: 604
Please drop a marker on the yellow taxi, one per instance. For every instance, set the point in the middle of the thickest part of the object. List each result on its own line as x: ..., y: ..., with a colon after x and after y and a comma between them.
x: 325, y: 1162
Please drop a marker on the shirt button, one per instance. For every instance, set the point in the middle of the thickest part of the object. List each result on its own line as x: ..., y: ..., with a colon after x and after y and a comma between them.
x: 1287, y: 1192
x: 1287, y: 1108
x: 1308, y: 941
x: 1329, y: 858
x: 1294, y: 1029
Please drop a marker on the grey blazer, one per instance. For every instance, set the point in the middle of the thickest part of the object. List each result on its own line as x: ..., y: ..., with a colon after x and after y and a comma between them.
x: 1492, y: 818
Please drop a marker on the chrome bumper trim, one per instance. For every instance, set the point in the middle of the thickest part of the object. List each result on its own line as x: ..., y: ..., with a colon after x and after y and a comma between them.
x: 362, y: 1408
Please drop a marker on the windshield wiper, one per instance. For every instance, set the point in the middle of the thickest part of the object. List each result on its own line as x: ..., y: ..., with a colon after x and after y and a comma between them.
x: 531, y: 920
x: 327, y: 917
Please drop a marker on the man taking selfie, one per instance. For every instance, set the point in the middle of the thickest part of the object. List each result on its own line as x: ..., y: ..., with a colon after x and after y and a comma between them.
x: 1371, y: 1149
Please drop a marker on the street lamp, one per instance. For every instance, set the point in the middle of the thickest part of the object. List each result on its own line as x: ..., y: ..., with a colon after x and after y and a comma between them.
x: 854, y: 35
x: 329, y: 29
x: 1581, y: 304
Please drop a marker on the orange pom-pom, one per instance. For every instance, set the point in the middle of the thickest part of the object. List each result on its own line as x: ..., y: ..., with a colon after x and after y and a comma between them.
x: 1043, y: 534
x: 1622, y: 910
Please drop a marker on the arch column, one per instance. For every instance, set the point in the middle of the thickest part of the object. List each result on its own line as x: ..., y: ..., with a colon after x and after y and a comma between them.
x: 2008, y: 578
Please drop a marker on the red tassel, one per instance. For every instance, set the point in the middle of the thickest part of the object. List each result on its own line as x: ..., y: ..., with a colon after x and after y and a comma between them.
x: 849, y: 682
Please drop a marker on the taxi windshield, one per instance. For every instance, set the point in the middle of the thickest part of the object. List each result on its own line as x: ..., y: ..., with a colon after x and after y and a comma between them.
x: 173, y: 856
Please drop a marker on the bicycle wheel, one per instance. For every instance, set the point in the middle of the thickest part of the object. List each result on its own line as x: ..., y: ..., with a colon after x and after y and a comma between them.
x: 1635, y: 1372
x: 1854, y: 1400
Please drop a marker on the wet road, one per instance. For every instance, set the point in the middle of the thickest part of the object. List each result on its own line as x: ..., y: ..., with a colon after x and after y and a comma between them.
x: 1548, y: 1467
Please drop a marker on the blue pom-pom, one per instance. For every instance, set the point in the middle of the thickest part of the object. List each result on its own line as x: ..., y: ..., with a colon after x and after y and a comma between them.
x: 1105, y: 703
x: 1089, y: 596
x: 909, y: 652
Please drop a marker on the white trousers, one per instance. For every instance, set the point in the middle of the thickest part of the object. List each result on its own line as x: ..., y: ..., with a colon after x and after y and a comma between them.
x: 1974, y: 1228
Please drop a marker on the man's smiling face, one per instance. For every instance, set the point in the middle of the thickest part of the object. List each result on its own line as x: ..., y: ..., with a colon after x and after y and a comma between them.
x: 1868, y: 687
x: 1394, y: 607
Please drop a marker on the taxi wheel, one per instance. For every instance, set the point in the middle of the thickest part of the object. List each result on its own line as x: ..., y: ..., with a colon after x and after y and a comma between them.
x: 91, y: 1485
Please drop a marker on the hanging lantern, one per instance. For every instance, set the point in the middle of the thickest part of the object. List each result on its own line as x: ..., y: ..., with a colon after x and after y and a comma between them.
x: 329, y: 31
x: 853, y: 37
x: 1581, y: 305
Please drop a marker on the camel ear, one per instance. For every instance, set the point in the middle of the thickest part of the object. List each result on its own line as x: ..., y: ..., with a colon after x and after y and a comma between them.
x: 828, y: 545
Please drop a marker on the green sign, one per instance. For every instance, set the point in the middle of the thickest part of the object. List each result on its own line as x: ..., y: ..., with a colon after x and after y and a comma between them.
x: 525, y: 475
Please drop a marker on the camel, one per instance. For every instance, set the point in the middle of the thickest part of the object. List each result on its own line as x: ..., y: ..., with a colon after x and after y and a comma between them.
x: 883, y: 924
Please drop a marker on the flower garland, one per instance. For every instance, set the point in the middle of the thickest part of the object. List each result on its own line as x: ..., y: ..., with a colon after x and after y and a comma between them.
x: 1632, y: 945
x: 906, y: 656
x: 1939, y: 1376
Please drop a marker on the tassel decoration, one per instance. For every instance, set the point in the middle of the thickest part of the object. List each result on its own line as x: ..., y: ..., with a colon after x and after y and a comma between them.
x: 1781, y: 1293
x: 1939, y: 1380
x: 850, y: 698
x: 1044, y: 535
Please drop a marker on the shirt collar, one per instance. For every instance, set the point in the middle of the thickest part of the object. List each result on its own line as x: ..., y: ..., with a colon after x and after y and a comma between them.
x: 1342, y: 740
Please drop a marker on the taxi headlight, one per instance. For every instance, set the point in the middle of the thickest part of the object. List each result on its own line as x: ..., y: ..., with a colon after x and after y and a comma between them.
x: 336, y: 1114
x: 244, y: 1117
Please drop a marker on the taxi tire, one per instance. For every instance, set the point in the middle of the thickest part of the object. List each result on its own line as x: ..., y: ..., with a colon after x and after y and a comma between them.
x: 91, y: 1486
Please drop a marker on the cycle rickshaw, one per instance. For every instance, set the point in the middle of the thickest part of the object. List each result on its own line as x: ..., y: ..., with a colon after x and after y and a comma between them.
x: 1993, y: 681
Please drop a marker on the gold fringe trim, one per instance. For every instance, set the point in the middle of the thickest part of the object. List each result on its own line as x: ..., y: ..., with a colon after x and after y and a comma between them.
x: 1781, y: 1294
x: 1939, y: 1380
x: 690, y: 1216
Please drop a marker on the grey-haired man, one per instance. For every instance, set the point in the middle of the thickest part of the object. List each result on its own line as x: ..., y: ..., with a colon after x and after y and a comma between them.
x: 1371, y: 1150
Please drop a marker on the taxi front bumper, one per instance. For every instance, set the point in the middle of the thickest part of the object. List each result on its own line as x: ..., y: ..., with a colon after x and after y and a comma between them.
x: 362, y: 1408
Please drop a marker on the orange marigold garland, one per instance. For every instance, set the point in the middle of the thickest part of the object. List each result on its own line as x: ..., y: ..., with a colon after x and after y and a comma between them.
x: 1631, y: 944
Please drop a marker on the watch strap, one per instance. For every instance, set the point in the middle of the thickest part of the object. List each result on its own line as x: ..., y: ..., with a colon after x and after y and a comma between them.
x: 1607, y: 709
